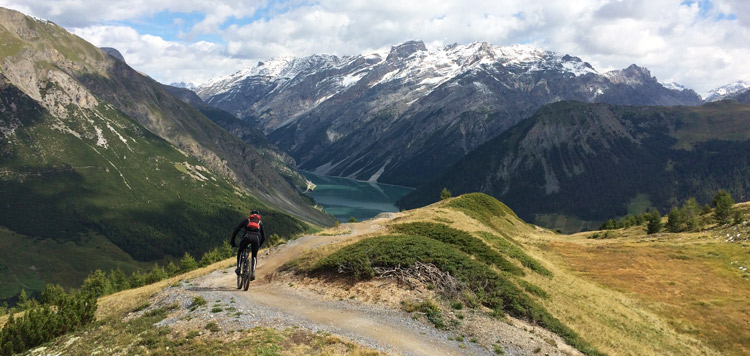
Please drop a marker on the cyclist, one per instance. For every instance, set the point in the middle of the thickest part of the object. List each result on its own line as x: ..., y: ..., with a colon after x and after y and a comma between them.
x: 254, y: 236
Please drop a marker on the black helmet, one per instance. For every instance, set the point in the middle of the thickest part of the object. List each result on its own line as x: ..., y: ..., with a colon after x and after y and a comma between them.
x: 254, y: 212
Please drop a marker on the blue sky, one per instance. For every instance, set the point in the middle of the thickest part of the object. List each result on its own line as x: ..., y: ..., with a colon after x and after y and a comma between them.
x: 701, y: 44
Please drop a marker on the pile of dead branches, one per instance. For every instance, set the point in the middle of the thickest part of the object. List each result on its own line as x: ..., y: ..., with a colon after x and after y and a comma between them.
x: 421, y: 274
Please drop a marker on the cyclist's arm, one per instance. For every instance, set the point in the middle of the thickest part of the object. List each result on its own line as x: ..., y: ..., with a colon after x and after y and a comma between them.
x: 239, y: 227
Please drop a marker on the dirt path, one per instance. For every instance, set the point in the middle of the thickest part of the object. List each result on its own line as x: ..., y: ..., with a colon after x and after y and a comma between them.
x: 387, y: 330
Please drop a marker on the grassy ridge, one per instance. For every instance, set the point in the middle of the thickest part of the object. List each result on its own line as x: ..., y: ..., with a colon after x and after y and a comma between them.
x: 471, y: 259
x: 492, y: 289
x: 481, y: 207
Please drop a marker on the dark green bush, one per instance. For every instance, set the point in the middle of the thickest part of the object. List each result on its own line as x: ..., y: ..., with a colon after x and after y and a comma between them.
x: 533, y: 289
x: 515, y: 252
x: 41, y: 323
x: 461, y: 240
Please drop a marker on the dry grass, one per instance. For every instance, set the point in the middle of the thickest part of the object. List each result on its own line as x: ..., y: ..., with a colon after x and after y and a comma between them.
x: 335, y: 231
x: 121, y: 302
x: 686, y: 282
x: 614, y: 322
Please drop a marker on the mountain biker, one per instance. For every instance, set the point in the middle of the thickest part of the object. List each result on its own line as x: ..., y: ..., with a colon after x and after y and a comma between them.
x: 254, y: 236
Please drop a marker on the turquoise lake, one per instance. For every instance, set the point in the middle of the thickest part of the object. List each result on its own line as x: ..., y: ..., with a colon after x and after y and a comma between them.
x: 344, y: 197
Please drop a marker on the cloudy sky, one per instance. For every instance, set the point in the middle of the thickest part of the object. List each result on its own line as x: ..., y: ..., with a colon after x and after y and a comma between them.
x: 701, y: 44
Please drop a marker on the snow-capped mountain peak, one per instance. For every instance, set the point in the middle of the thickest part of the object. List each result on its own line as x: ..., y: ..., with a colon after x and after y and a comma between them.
x: 674, y: 86
x: 723, y: 92
x: 190, y: 85
x: 413, y: 59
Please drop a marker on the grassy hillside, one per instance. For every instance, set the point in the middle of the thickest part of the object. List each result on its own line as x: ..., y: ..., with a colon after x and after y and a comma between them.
x: 634, y: 294
x: 697, y: 284
x: 102, y: 191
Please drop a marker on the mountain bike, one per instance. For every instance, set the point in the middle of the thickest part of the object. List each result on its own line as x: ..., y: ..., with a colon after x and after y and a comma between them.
x: 243, y: 279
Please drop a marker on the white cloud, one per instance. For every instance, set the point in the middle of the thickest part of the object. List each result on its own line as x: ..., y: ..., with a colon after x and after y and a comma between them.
x: 165, y: 61
x: 701, y: 48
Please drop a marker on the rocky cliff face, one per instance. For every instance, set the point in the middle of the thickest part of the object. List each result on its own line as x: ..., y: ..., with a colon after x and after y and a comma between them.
x: 63, y: 72
x: 248, y: 133
x: 405, y: 116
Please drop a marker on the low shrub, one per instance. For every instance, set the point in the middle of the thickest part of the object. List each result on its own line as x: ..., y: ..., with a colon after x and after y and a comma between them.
x: 44, y: 322
x: 515, y: 252
x: 430, y: 309
x: 461, y: 240
x: 533, y: 289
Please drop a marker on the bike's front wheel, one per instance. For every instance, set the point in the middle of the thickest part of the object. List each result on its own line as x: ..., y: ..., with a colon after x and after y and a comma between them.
x: 246, y: 275
x: 239, y: 275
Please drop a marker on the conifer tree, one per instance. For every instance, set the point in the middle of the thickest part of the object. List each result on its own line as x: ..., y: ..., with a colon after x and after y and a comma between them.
x: 445, y: 194
x: 188, y: 263
x: 654, y: 222
x: 23, y: 300
x: 610, y: 224
x: 118, y: 280
x: 674, y: 220
x: 723, y: 202
x: 691, y: 214
x: 171, y: 269
x: 52, y: 294
x: 227, y: 250
x: 97, y: 284
x: 137, y: 279
x: 157, y: 274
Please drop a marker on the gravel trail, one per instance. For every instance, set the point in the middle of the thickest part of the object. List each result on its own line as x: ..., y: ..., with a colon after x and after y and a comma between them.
x: 278, y: 305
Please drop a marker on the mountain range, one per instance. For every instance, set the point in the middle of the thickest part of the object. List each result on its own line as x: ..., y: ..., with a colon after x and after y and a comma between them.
x: 405, y: 116
x: 598, y: 161
x: 455, y: 117
x: 101, y: 167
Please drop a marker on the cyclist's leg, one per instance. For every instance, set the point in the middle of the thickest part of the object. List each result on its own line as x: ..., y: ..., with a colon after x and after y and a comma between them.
x: 254, y: 245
